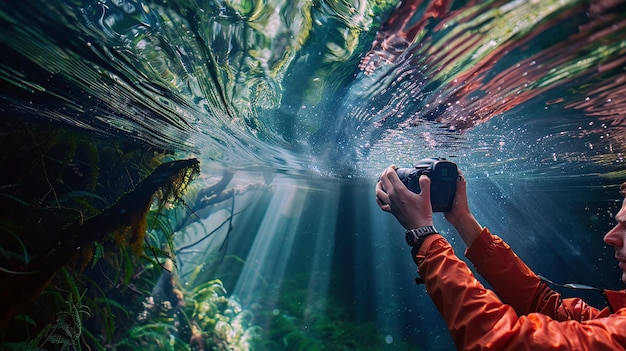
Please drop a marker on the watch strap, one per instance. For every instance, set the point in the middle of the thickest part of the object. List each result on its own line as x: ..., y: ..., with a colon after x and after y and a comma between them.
x: 417, y: 235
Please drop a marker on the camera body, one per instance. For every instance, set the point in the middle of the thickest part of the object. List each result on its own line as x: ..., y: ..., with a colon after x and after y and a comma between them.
x: 443, y: 175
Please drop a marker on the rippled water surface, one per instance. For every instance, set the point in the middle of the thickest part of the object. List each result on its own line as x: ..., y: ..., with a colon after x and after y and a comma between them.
x: 314, y: 85
x: 315, y: 98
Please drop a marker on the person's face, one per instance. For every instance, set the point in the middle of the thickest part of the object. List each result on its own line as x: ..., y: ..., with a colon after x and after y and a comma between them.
x: 616, y: 237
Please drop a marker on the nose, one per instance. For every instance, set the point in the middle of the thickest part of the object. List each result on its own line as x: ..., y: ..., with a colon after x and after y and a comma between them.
x: 615, y: 237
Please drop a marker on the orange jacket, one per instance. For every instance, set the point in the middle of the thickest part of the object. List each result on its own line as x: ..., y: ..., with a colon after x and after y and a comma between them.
x: 530, y: 316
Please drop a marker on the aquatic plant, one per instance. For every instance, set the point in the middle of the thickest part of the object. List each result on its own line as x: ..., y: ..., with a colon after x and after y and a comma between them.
x: 65, y: 212
x: 65, y: 332
x: 201, y: 319
x: 174, y: 317
x: 126, y: 219
x: 232, y: 326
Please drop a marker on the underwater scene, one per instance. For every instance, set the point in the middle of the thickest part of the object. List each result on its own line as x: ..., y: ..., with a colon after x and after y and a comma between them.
x: 200, y: 174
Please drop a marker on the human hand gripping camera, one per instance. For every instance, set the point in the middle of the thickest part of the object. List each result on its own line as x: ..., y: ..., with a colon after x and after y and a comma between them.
x: 399, y: 192
x: 526, y: 314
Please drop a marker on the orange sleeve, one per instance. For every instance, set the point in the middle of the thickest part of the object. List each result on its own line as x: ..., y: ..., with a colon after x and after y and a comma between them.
x: 479, y: 320
x: 518, y: 286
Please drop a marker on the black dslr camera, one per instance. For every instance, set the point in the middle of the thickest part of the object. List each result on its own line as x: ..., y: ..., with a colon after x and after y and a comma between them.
x: 443, y: 175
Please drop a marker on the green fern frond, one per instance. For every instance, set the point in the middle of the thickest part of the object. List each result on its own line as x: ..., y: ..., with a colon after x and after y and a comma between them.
x: 209, y: 289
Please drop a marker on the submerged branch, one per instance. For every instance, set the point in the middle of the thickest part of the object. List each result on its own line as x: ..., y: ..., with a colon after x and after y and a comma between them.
x: 127, y: 214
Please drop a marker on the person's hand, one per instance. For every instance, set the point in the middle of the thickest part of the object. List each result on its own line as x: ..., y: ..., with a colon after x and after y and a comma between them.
x: 460, y: 216
x: 410, y: 209
x: 460, y: 208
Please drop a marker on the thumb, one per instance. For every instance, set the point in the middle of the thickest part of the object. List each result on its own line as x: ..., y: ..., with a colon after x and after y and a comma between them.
x: 424, y: 182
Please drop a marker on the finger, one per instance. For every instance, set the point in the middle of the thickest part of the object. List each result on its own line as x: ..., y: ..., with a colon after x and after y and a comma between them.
x: 394, y: 181
x: 383, y: 206
x: 393, y: 176
x: 382, y: 196
x: 385, y: 179
x: 461, y: 182
x: 379, y: 185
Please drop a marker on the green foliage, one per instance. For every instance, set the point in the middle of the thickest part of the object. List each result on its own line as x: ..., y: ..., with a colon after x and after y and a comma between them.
x: 204, y: 318
x: 160, y: 236
x: 110, y: 296
x: 65, y: 332
x: 173, y: 317
x: 54, y: 178
x: 154, y: 336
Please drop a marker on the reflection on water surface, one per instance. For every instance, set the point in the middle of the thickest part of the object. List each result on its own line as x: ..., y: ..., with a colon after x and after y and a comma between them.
x: 279, y: 85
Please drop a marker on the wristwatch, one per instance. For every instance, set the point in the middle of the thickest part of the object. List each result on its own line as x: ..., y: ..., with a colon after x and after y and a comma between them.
x: 416, y: 236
